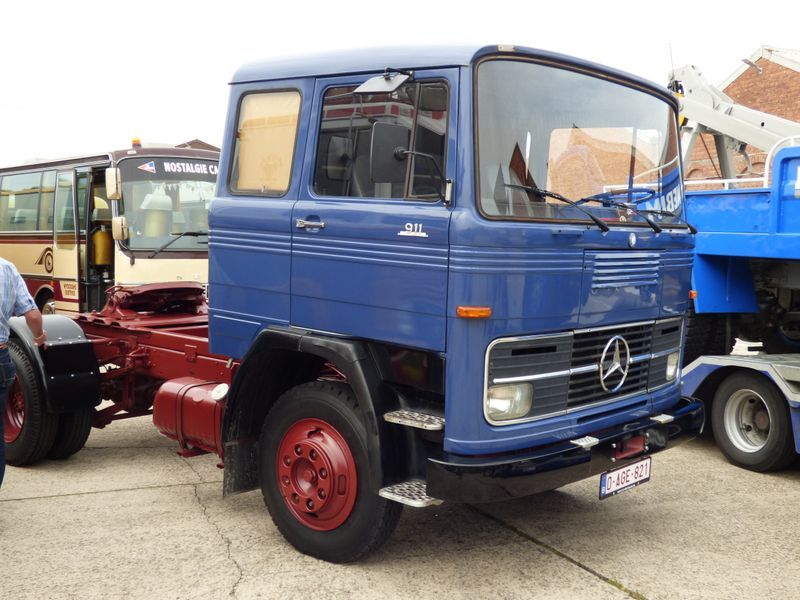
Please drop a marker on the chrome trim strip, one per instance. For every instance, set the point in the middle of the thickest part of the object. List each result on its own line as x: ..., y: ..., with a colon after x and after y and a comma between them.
x: 578, y: 370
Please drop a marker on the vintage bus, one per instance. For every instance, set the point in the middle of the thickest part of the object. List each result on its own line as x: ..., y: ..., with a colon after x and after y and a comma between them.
x: 78, y: 226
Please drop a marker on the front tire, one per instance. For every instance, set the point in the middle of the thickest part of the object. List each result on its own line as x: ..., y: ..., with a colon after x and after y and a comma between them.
x: 316, y: 475
x: 751, y: 423
x: 29, y: 429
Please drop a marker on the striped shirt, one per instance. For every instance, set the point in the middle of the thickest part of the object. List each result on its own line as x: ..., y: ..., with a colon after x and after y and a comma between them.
x: 15, y: 299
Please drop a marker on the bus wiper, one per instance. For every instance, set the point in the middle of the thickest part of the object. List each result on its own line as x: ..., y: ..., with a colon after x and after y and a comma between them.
x: 533, y: 190
x: 176, y: 238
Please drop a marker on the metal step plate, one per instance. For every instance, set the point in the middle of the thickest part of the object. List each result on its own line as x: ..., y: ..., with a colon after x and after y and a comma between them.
x: 411, y: 493
x: 413, y: 418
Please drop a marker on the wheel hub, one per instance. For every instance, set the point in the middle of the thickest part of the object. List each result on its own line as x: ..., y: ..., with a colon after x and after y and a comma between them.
x: 747, y: 420
x: 316, y: 474
x: 14, y: 414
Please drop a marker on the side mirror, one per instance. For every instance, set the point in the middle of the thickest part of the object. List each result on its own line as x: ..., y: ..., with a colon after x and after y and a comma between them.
x: 113, y: 184
x: 387, y: 153
x: 119, y: 228
x: 340, y: 158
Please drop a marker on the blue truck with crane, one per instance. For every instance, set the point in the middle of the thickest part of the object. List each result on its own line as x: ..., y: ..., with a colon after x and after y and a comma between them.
x: 746, y: 277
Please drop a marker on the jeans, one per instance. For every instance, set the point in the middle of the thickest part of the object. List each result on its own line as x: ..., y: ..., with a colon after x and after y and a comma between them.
x: 6, y: 377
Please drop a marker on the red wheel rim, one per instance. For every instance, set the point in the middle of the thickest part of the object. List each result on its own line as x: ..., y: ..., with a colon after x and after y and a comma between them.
x: 14, y: 415
x: 317, y: 474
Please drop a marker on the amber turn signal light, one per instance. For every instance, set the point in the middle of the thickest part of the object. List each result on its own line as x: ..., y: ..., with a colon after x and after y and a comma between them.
x: 692, y: 294
x: 474, y: 312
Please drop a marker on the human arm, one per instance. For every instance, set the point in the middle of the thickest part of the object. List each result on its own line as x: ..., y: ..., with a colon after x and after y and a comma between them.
x: 33, y: 318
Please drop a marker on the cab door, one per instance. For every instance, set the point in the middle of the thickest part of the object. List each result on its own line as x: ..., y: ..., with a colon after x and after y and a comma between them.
x: 66, y: 244
x: 369, y: 258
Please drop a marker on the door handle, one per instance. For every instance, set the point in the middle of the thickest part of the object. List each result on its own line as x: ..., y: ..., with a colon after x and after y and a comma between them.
x: 303, y: 224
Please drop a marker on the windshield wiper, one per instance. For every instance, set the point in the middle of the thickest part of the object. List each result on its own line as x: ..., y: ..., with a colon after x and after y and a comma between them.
x: 635, y: 209
x: 531, y: 189
x: 632, y: 205
x: 175, y: 239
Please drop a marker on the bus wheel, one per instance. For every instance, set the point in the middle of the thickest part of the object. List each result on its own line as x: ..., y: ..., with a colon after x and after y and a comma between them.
x: 29, y: 430
x: 46, y: 303
x: 316, y: 476
x: 72, y: 433
x: 751, y: 423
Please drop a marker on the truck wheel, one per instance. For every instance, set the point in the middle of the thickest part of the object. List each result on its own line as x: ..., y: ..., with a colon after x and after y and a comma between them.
x: 72, y: 433
x: 751, y: 423
x: 29, y: 430
x: 316, y: 476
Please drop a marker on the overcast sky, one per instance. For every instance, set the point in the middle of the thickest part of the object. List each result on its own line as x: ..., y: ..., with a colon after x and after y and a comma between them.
x: 87, y: 76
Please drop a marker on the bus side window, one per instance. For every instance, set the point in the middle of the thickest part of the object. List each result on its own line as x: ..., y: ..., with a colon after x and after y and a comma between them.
x: 64, y: 213
x: 46, y: 201
x: 20, y: 195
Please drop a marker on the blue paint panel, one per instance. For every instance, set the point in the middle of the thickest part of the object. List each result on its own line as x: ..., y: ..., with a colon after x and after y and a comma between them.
x: 723, y: 285
x: 795, y: 413
x: 757, y: 223
x: 250, y: 242
x: 361, y: 274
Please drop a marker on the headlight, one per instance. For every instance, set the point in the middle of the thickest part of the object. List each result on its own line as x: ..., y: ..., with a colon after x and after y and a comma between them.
x: 672, y: 365
x: 509, y: 401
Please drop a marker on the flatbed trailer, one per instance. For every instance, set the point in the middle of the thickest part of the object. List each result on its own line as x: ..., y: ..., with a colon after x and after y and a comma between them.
x: 755, y: 406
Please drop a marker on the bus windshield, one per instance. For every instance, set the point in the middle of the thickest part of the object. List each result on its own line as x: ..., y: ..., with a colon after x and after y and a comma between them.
x: 165, y: 197
x: 547, y: 133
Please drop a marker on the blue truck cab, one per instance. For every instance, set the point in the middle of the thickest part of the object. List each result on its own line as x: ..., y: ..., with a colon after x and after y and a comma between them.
x: 449, y: 274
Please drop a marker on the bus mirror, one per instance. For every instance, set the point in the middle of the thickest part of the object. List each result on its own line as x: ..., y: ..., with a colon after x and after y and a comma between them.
x: 113, y: 184
x: 387, y: 153
x: 119, y: 228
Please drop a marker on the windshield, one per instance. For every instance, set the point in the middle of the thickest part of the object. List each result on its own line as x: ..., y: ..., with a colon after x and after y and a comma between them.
x: 166, y: 196
x: 587, y: 139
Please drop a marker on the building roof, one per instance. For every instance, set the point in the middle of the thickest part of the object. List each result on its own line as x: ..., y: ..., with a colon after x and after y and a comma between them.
x: 781, y: 56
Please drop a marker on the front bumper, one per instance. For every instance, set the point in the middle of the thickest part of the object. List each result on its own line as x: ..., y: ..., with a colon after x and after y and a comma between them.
x: 502, y: 477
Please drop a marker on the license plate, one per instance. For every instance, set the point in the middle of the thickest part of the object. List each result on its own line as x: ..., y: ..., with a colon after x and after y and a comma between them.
x: 624, y: 478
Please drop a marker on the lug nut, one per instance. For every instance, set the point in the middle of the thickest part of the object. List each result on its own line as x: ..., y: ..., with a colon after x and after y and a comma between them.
x: 285, y: 480
x: 321, y: 494
x: 310, y: 504
x: 287, y: 461
x: 313, y: 455
x: 323, y: 473
x: 295, y: 498
x: 298, y: 449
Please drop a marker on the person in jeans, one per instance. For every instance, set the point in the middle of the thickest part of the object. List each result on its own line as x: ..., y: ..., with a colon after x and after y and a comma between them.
x: 15, y: 300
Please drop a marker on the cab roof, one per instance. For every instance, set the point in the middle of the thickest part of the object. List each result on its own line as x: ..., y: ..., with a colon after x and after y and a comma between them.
x: 369, y: 60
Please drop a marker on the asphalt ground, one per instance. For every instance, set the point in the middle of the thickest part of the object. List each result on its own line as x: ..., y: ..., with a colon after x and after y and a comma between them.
x: 128, y: 518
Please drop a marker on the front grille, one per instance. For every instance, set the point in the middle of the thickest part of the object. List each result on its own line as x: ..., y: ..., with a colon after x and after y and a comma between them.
x: 585, y: 388
x: 564, y: 368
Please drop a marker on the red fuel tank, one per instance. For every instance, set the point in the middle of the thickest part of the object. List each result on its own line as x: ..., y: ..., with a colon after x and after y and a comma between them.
x: 190, y: 411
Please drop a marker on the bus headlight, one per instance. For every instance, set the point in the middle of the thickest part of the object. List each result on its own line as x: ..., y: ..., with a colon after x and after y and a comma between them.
x: 508, y: 401
x: 672, y: 365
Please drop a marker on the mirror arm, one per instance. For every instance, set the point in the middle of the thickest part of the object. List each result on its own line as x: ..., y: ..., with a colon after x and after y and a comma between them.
x: 401, y: 153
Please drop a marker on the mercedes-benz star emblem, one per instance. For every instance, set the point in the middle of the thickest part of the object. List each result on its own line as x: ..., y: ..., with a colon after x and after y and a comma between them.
x: 614, y: 363
x: 632, y: 240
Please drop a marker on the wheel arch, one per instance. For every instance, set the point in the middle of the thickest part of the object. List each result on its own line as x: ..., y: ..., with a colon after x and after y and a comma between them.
x: 67, y: 368
x: 282, y: 358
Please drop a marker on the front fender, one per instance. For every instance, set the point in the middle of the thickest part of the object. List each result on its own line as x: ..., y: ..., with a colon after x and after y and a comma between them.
x: 67, y: 366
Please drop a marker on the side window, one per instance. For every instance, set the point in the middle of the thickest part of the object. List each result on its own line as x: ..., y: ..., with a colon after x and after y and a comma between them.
x: 46, y: 201
x: 64, y: 211
x: 265, y: 140
x: 343, y: 152
x: 20, y: 194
